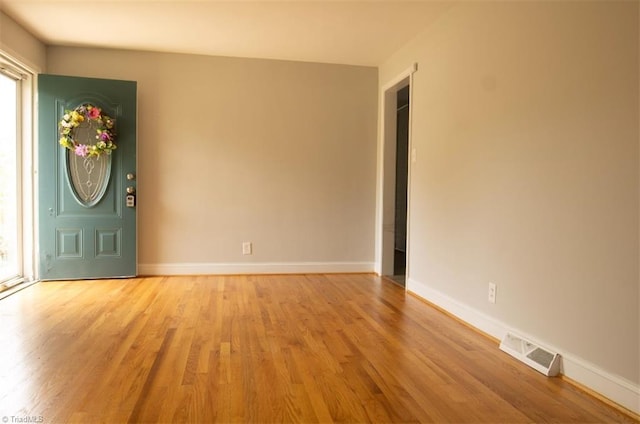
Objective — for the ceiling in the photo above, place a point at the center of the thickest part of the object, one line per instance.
(363, 32)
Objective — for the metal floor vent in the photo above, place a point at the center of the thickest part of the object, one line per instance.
(538, 358)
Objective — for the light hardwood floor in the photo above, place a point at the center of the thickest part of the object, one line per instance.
(261, 349)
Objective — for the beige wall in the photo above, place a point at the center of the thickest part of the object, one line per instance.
(525, 124)
(278, 153)
(21, 45)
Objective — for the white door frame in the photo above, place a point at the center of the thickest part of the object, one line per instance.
(385, 198)
(25, 75)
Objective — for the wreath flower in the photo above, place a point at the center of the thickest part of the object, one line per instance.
(104, 131)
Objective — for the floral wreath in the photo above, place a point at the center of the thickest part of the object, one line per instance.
(104, 131)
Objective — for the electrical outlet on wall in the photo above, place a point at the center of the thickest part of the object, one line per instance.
(247, 248)
(492, 292)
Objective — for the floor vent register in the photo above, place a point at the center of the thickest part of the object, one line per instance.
(538, 358)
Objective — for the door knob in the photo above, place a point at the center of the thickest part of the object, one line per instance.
(131, 176)
(131, 189)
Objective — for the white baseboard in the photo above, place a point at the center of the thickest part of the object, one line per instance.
(613, 387)
(254, 268)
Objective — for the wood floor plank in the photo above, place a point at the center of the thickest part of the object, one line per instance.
(264, 349)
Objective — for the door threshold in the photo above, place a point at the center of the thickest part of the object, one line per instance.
(400, 280)
(8, 290)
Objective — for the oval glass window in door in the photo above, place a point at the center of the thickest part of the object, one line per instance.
(88, 176)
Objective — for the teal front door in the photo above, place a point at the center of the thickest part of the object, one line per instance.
(86, 178)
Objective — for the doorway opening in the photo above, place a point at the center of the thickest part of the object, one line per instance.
(401, 185)
(16, 176)
(394, 246)
(16, 182)
(10, 211)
